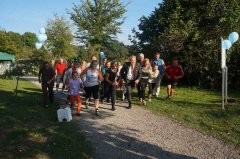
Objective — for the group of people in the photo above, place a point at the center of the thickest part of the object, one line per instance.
(109, 77)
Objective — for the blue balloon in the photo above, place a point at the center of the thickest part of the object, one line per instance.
(226, 44)
(42, 37)
(38, 45)
(42, 30)
(102, 55)
(233, 37)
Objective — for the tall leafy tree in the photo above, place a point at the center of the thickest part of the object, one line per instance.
(60, 37)
(97, 21)
(191, 31)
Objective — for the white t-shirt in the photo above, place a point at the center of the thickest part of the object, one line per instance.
(130, 74)
(92, 78)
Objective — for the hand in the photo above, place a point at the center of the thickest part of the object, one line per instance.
(168, 77)
(48, 82)
(123, 82)
(115, 83)
(136, 81)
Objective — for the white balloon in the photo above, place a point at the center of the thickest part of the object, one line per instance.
(38, 45)
(42, 37)
(42, 30)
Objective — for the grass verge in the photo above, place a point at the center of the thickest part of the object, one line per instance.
(201, 109)
(30, 131)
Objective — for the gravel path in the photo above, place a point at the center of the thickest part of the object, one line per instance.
(140, 134)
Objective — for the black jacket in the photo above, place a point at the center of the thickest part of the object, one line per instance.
(137, 72)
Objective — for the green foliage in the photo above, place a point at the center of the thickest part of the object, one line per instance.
(21, 46)
(97, 21)
(60, 37)
(115, 50)
(191, 31)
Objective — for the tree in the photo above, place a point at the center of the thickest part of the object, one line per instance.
(191, 31)
(97, 21)
(60, 37)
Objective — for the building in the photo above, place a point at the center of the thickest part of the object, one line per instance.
(6, 60)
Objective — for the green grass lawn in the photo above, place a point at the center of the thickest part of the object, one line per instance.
(27, 130)
(201, 109)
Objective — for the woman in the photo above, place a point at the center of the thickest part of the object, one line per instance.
(91, 83)
(146, 69)
(111, 83)
(104, 70)
(152, 81)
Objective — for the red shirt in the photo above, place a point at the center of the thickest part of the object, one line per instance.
(174, 71)
(60, 68)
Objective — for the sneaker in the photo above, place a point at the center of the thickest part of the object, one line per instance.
(168, 97)
(46, 106)
(149, 99)
(97, 112)
(87, 104)
(113, 108)
(144, 102)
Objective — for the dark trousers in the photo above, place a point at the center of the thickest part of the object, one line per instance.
(104, 92)
(110, 91)
(48, 94)
(142, 85)
(151, 87)
(58, 80)
(129, 86)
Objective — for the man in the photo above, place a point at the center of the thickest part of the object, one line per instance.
(46, 78)
(140, 58)
(173, 73)
(130, 73)
(60, 68)
(161, 67)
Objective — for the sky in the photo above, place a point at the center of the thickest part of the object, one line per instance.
(30, 15)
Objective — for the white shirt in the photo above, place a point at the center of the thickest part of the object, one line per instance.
(130, 74)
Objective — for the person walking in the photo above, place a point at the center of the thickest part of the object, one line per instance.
(130, 74)
(146, 70)
(46, 77)
(111, 83)
(152, 81)
(60, 68)
(104, 83)
(161, 67)
(91, 84)
(173, 73)
(74, 85)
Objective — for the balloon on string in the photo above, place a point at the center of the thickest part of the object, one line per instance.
(102, 56)
(38, 45)
(42, 37)
(42, 30)
(233, 37)
(226, 44)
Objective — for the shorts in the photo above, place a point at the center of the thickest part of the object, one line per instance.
(172, 83)
(92, 91)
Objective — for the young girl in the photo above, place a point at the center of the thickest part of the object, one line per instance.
(152, 80)
(73, 88)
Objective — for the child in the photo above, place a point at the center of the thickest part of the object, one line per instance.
(73, 87)
(153, 80)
